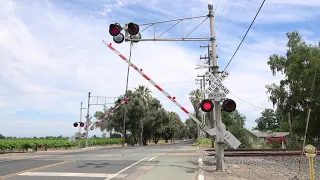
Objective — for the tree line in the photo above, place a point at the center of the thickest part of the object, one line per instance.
(296, 93)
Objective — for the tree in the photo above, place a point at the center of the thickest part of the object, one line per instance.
(104, 135)
(145, 117)
(191, 128)
(297, 91)
(234, 123)
(268, 121)
(2, 137)
(195, 99)
(143, 94)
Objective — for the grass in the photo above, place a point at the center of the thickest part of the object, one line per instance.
(203, 143)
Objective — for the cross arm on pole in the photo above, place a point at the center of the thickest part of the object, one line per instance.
(183, 37)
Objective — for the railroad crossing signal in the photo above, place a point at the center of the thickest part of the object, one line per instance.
(229, 105)
(76, 124)
(206, 105)
(126, 100)
(132, 29)
(115, 31)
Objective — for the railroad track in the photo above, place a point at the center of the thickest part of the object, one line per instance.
(258, 152)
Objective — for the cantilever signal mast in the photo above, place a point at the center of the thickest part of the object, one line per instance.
(133, 34)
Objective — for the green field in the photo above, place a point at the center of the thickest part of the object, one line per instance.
(7, 145)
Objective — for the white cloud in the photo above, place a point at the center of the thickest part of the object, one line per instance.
(51, 58)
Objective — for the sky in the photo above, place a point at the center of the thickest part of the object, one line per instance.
(52, 55)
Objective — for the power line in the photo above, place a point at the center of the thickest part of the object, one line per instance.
(245, 35)
(215, 10)
(225, 5)
(248, 102)
(235, 23)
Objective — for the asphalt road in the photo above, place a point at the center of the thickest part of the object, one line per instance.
(176, 161)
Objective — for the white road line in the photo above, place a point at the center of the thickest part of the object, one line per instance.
(126, 168)
(200, 176)
(152, 158)
(67, 174)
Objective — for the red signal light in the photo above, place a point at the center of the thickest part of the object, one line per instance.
(125, 100)
(229, 105)
(133, 28)
(115, 29)
(81, 124)
(206, 105)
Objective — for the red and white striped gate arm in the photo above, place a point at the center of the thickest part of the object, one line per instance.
(113, 109)
(202, 126)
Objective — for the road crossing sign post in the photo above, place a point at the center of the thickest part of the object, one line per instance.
(213, 93)
(216, 83)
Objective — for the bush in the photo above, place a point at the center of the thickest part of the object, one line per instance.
(275, 144)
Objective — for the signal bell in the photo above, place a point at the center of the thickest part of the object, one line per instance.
(229, 105)
(206, 105)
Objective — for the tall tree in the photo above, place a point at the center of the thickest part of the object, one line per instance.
(298, 90)
(195, 99)
(144, 95)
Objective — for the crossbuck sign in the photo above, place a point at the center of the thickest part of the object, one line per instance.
(216, 83)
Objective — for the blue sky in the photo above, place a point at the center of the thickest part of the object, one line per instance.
(51, 55)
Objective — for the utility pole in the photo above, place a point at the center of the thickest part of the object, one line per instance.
(201, 91)
(81, 108)
(220, 165)
(209, 63)
(87, 122)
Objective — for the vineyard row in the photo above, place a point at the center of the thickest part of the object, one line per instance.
(45, 144)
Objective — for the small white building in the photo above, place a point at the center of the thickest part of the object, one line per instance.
(261, 136)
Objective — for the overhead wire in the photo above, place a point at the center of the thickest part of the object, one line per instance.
(225, 5)
(245, 34)
(215, 10)
(235, 24)
(248, 102)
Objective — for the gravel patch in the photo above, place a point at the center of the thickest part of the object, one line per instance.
(273, 168)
